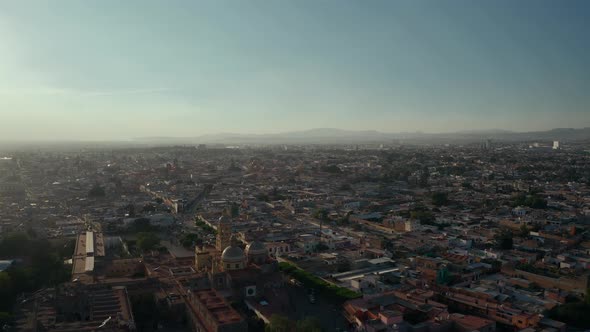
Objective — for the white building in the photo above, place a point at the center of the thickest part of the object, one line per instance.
(519, 211)
(278, 248)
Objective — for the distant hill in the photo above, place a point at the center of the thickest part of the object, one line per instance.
(341, 136)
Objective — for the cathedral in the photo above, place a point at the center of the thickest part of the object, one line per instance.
(246, 272)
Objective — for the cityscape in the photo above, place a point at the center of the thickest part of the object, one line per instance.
(484, 236)
(294, 166)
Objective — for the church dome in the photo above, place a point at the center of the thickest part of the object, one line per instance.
(232, 255)
(256, 248)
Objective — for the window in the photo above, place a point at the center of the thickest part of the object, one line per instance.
(227, 265)
(237, 266)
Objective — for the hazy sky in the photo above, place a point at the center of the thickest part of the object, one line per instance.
(116, 69)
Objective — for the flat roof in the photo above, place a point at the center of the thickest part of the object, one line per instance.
(381, 260)
(98, 245)
(80, 246)
(79, 265)
(89, 243)
(470, 322)
(89, 264)
(220, 310)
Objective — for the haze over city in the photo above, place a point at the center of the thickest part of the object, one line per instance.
(294, 166)
(111, 70)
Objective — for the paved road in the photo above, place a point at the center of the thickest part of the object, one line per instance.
(177, 251)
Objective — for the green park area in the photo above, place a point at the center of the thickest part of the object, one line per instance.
(309, 280)
(39, 263)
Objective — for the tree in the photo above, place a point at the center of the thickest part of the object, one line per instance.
(308, 324)
(47, 267)
(440, 199)
(97, 191)
(22, 278)
(189, 240)
(311, 281)
(141, 225)
(42, 267)
(149, 207)
(344, 220)
(204, 227)
(574, 313)
(145, 311)
(6, 291)
(504, 240)
(279, 323)
(532, 201)
(523, 231)
(423, 182)
(343, 266)
(5, 318)
(321, 247)
(331, 169)
(321, 214)
(536, 202)
(14, 245)
(147, 241)
(131, 210)
(235, 210)
(345, 187)
(31, 233)
(263, 197)
(426, 217)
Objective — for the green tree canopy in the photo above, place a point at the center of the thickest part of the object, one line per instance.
(331, 169)
(14, 245)
(321, 214)
(279, 323)
(42, 266)
(532, 201)
(97, 191)
(190, 239)
(235, 210)
(440, 199)
(574, 313)
(147, 241)
(309, 324)
(504, 240)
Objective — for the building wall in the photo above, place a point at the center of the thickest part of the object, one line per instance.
(128, 267)
(202, 260)
(223, 239)
(563, 283)
(279, 249)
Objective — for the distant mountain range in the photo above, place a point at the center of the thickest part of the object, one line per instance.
(340, 136)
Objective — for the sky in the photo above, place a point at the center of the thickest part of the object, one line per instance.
(111, 69)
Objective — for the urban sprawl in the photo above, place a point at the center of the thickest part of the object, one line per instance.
(485, 237)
